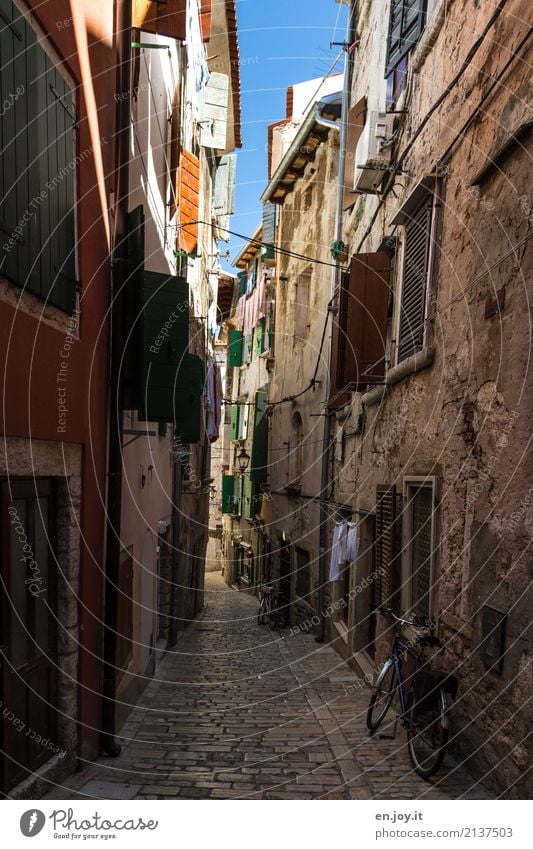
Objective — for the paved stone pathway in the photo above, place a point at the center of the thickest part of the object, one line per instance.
(238, 711)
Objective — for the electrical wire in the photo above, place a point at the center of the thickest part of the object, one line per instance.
(397, 166)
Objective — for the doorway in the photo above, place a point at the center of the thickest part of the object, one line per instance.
(28, 628)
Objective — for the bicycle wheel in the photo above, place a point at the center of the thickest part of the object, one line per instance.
(273, 615)
(383, 693)
(263, 614)
(282, 610)
(428, 730)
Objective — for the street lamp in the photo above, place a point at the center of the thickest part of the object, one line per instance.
(243, 460)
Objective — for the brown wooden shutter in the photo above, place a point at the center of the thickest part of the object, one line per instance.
(205, 19)
(355, 124)
(366, 320)
(161, 17)
(388, 547)
(385, 515)
(338, 397)
(414, 281)
(189, 201)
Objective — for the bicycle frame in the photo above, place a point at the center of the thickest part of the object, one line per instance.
(398, 647)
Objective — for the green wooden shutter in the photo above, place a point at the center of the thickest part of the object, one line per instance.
(36, 167)
(235, 348)
(248, 507)
(242, 277)
(240, 492)
(224, 192)
(270, 211)
(189, 387)
(260, 337)
(259, 464)
(249, 347)
(165, 337)
(228, 488)
(234, 422)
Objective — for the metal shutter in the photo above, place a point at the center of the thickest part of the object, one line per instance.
(407, 19)
(415, 267)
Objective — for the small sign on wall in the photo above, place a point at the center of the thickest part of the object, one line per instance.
(493, 628)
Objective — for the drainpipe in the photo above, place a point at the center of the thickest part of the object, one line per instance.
(122, 40)
(326, 437)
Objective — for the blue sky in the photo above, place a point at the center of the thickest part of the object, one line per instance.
(281, 42)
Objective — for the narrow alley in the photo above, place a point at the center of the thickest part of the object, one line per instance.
(239, 711)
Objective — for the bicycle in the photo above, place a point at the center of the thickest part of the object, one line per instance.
(424, 710)
(273, 608)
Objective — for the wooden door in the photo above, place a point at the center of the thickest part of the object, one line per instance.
(28, 630)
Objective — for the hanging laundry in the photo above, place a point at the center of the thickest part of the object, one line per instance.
(262, 298)
(338, 551)
(352, 542)
(241, 306)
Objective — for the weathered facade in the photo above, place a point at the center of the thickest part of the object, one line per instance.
(181, 193)
(303, 191)
(431, 396)
(250, 331)
(57, 171)
(117, 182)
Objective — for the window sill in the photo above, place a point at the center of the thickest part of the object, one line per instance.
(417, 362)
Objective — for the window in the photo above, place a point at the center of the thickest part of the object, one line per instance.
(244, 411)
(419, 545)
(407, 19)
(416, 252)
(37, 167)
(360, 331)
(396, 82)
(301, 307)
(303, 574)
(261, 337)
(259, 461)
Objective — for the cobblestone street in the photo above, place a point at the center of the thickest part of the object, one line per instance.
(238, 711)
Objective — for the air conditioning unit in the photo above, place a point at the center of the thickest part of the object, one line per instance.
(372, 154)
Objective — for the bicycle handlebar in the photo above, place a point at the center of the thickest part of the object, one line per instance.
(417, 622)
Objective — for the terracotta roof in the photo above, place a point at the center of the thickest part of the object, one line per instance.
(233, 39)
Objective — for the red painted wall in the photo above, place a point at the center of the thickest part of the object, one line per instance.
(31, 350)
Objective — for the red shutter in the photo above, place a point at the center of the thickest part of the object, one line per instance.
(189, 200)
(161, 17)
(366, 320)
(355, 124)
(205, 19)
